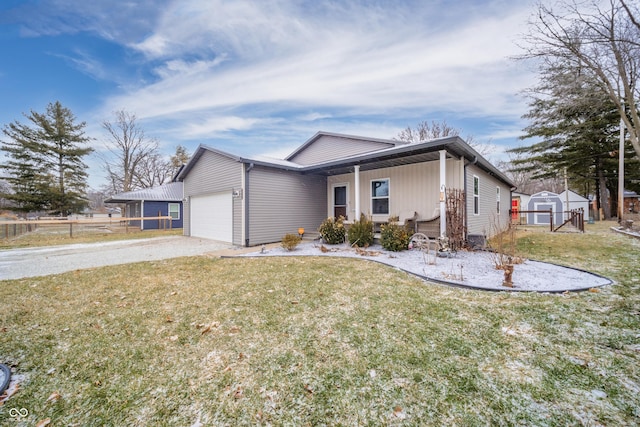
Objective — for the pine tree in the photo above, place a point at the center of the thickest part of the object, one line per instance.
(45, 162)
(578, 126)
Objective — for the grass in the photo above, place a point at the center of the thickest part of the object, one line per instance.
(319, 341)
(59, 235)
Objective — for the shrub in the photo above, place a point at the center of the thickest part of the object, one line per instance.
(332, 230)
(361, 232)
(394, 237)
(290, 241)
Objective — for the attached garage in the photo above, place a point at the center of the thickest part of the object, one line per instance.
(212, 216)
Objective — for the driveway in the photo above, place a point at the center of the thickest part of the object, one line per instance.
(31, 262)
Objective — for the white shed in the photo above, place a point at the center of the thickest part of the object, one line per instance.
(576, 201)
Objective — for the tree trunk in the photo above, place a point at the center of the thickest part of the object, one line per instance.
(603, 196)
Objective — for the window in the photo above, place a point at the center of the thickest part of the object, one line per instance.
(476, 195)
(497, 200)
(380, 196)
(174, 210)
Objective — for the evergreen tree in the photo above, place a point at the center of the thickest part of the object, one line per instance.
(45, 162)
(578, 126)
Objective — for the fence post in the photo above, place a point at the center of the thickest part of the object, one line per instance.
(551, 219)
(71, 230)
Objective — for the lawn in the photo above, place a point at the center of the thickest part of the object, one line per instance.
(59, 235)
(320, 341)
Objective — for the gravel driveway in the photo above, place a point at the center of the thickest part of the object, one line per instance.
(43, 261)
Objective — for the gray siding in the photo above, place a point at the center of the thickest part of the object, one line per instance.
(413, 188)
(328, 148)
(214, 173)
(488, 221)
(280, 202)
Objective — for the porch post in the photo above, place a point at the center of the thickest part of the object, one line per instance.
(443, 186)
(356, 171)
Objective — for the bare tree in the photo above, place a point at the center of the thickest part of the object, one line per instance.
(601, 38)
(425, 131)
(132, 154)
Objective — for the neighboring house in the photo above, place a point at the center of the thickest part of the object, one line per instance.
(251, 201)
(519, 202)
(165, 200)
(576, 201)
(543, 201)
(631, 202)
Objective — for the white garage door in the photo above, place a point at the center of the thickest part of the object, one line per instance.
(212, 217)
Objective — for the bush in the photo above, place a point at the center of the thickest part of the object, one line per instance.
(332, 230)
(290, 241)
(394, 237)
(361, 232)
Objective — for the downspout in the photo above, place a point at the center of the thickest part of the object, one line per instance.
(142, 215)
(246, 204)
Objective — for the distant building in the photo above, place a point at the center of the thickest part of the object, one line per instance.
(165, 200)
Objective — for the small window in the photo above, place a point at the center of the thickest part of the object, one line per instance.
(476, 195)
(174, 210)
(380, 196)
(497, 200)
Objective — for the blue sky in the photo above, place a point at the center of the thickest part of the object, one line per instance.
(263, 76)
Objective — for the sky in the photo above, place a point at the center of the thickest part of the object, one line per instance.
(261, 77)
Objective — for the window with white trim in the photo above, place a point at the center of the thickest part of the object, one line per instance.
(174, 210)
(476, 195)
(497, 200)
(380, 196)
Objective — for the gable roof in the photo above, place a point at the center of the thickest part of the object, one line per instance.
(394, 154)
(171, 192)
(325, 146)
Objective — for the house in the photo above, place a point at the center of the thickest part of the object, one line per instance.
(519, 202)
(631, 202)
(164, 200)
(575, 202)
(251, 201)
(544, 201)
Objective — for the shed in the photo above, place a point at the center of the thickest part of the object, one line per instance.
(576, 201)
(164, 200)
(543, 201)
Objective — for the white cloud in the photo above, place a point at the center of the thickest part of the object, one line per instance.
(320, 63)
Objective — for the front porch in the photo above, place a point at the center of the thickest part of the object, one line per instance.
(414, 191)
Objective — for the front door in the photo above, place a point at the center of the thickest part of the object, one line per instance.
(340, 200)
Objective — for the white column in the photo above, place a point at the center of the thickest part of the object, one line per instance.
(356, 171)
(443, 186)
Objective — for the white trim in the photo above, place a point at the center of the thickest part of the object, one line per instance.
(388, 197)
(169, 210)
(535, 215)
(473, 192)
(332, 198)
(356, 172)
(142, 215)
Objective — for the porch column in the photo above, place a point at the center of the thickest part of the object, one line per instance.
(356, 171)
(443, 186)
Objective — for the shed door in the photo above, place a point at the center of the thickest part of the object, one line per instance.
(212, 217)
(542, 218)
